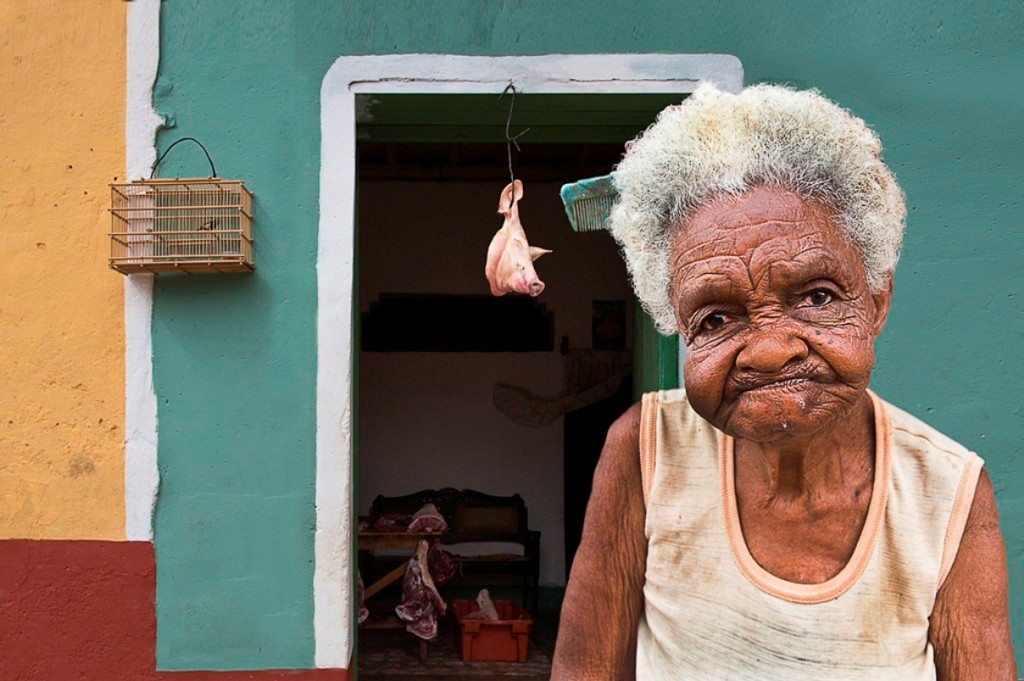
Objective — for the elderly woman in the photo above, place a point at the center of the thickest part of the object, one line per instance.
(777, 519)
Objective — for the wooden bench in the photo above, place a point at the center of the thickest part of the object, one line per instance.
(477, 517)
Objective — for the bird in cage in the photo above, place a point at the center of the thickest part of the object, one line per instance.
(209, 225)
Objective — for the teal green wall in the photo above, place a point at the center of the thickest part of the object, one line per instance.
(235, 356)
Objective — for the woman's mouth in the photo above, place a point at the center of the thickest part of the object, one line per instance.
(778, 385)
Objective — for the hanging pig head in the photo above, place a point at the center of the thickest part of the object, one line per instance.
(510, 258)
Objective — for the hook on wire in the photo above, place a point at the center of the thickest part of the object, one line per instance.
(511, 139)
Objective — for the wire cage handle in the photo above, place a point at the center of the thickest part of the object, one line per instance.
(213, 170)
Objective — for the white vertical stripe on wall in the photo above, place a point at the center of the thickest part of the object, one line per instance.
(141, 477)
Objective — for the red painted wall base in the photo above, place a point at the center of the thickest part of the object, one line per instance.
(84, 610)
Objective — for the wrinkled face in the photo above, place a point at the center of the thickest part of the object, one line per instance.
(777, 315)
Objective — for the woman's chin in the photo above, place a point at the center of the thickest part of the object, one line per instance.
(766, 433)
(777, 417)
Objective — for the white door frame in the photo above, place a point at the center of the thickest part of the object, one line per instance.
(333, 618)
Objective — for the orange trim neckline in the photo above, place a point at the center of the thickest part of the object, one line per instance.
(847, 577)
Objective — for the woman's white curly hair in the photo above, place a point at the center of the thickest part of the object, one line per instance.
(716, 144)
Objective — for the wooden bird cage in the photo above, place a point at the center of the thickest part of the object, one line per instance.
(181, 225)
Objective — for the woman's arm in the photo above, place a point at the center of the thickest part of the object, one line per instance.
(970, 625)
(604, 598)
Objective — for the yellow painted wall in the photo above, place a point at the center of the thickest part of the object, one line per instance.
(62, 100)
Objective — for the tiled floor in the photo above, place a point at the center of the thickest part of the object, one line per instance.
(386, 655)
(395, 655)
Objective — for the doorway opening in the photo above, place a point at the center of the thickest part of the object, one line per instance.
(492, 409)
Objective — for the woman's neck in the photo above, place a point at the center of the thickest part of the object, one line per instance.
(809, 472)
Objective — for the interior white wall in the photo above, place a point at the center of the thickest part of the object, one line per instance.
(427, 420)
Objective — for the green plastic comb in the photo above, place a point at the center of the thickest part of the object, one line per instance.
(588, 203)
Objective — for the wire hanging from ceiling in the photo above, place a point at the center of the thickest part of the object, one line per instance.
(511, 139)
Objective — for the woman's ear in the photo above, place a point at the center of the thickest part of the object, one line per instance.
(883, 300)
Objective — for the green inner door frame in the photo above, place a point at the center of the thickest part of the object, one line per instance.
(655, 357)
(551, 119)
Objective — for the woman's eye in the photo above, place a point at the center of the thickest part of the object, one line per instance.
(819, 298)
(713, 321)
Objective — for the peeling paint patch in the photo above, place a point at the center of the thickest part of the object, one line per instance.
(80, 466)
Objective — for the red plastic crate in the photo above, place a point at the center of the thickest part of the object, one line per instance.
(503, 640)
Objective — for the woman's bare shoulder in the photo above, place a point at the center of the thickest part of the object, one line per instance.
(970, 626)
(625, 431)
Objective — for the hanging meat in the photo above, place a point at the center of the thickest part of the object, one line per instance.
(421, 602)
(443, 566)
(363, 613)
(510, 257)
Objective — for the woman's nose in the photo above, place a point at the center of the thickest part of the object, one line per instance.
(769, 350)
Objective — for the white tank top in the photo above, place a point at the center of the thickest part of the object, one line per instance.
(711, 612)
